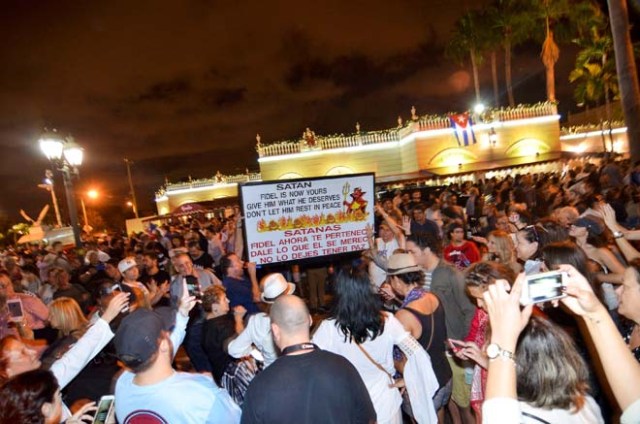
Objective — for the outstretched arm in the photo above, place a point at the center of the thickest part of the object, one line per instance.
(617, 361)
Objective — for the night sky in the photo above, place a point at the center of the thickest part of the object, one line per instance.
(182, 87)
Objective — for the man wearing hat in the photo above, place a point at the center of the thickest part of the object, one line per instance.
(128, 267)
(258, 329)
(306, 384)
(150, 390)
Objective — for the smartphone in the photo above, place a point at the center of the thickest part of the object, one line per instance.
(16, 312)
(543, 287)
(117, 287)
(455, 345)
(193, 286)
(105, 412)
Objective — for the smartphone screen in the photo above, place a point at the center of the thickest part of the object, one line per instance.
(104, 408)
(193, 286)
(544, 287)
(15, 309)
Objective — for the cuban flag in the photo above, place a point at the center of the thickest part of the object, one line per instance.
(463, 127)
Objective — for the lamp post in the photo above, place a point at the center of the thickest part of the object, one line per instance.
(66, 155)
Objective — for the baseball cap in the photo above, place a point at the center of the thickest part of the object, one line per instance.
(592, 224)
(273, 285)
(127, 263)
(137, 337)
(401, 263)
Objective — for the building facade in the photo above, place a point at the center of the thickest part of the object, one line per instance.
(428, 149)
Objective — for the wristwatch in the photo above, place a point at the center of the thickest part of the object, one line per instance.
(618, 234)
(494, 351)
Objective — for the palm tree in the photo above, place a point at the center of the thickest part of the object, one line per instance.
(515, 20)
(550, 13)
(627, 73)
(491, 41)
(595, 74)
(466, 41)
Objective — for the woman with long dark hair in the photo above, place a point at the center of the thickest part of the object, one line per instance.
(361, 332)
(34, 397)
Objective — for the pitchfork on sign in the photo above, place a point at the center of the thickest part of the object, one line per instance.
(346, 188)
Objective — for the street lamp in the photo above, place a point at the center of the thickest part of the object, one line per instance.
(66, 155)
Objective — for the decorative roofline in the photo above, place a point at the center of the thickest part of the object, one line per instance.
(217, 180)
(311, 141)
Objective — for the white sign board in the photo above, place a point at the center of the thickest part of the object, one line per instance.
(289, 220)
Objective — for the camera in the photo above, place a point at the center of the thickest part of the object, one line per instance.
(193, 286)
(543, 287)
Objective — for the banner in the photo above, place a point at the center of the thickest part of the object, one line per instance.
(289, 220)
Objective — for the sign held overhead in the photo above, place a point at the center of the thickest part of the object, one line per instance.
(288, 220)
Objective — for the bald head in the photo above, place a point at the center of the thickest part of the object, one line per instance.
(291, 315)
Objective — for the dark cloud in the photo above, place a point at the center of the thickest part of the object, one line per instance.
(182, 88)
(166, 91)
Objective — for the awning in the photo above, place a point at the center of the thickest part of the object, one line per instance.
(194, 208)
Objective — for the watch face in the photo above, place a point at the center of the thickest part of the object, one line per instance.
(493, 350)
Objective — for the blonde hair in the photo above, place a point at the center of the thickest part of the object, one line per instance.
(66, 316)
(505, 248)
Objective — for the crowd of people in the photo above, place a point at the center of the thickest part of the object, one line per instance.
(436, 322)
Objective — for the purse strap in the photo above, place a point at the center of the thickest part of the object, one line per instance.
(533, 417)
(374, 362)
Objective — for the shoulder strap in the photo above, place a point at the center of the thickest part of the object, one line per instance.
(431, 317)
(374, 362)
(533, 417)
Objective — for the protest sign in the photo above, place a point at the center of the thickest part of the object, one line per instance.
(288, 220)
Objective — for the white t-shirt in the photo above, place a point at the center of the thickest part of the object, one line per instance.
(508, 410)
(386, 400)
(258, 333)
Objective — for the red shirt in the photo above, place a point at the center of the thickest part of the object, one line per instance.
(461, 256)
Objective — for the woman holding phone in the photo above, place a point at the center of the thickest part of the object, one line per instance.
(34, 397)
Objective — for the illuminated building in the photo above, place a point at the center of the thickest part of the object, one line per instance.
(427, 148)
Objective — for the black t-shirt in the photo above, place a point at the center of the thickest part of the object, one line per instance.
(214, 333)
(316, 387)
(204, 261)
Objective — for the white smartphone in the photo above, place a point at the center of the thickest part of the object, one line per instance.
(543, 287)
(106, 410)
(16, 311)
